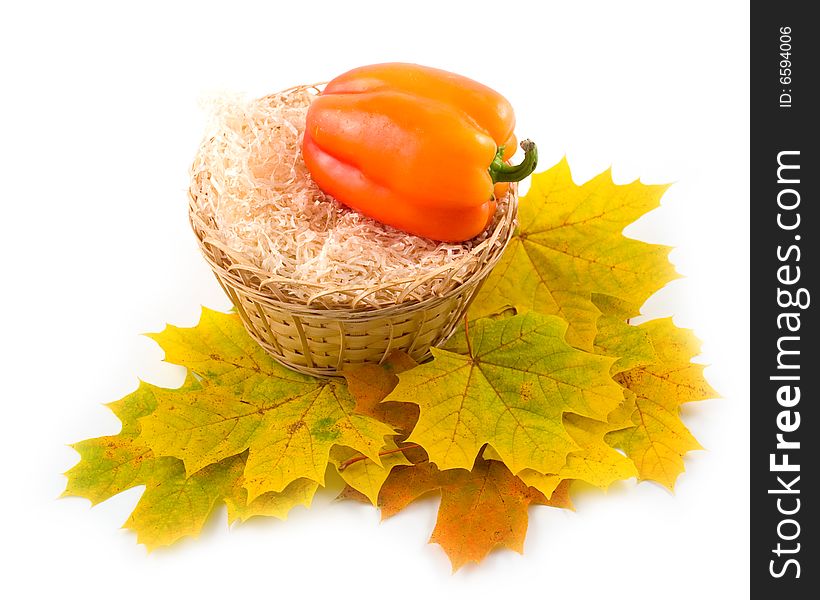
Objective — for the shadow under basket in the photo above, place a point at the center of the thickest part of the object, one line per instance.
(322, 336)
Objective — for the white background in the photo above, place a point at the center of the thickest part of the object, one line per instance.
(99, 120)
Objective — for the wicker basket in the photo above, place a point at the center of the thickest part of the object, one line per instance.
(322, 335)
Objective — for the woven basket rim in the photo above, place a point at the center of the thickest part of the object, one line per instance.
(297, 306)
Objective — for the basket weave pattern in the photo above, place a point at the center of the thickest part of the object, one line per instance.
(321, 336)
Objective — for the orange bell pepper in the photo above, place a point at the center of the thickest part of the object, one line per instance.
(416, 148)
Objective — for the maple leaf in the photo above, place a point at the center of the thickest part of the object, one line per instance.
(287, 421)
(364, 475)
(114, 463)
(569, 245)
(596, 462)
(480, 509)
(631, 345)
(509, 389)
(370, 384)
(174, 505)
(657, 439)
(621, 417)
(616, 307)
(269, 504)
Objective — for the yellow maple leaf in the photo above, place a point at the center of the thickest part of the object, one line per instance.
(616, 307)
(657, 439)
(621, 417)
(508, 387)
(269, 504)
(175, 505)
(364, 475)
(569, 245)
(248, 401)
(631, 345)
(595, 462)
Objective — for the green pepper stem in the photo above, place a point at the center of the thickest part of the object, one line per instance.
(501, 171)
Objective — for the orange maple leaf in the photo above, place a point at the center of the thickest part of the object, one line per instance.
(480, 509)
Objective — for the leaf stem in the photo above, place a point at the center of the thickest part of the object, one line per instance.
(355, 459)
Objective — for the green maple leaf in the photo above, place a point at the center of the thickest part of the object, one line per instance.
(114, 463)
(569, 245)
(287, 421)
(510, 389)
(174, 504)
